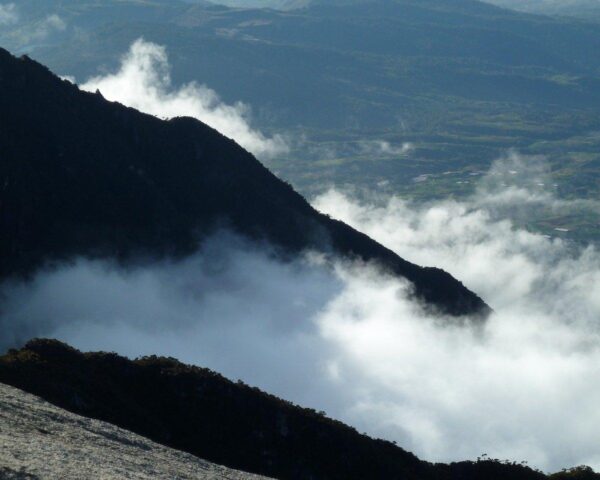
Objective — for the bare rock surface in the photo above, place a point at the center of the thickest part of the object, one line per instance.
(41, 441)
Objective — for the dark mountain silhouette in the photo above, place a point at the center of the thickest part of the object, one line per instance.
(83, 176)
(199, 411)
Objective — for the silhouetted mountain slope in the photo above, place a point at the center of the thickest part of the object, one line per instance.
(198, 411)
(82, 176)
(463, 81)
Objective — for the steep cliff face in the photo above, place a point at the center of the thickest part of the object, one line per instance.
(83, 176)
(40, 441)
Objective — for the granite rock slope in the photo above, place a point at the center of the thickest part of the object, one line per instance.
(41, 441)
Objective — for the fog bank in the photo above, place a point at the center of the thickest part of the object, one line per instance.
(350, 341)
(143, 82)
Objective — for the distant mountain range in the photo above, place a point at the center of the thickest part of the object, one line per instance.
(84, 176)
(200, 412)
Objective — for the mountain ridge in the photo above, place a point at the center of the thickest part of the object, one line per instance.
(199, 411)
(83, 176)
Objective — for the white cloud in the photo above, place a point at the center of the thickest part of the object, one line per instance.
(232, 307)
(55, 22)
(276, 4)
(144, 82)
(42, 29)
(350, 342)
(69, 79)
(8, 14)
(521, 187)
(382, 147)
(29, 32)
(518, 388)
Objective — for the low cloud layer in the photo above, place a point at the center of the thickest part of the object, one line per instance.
(143, 81)
(232, 307)
(46, 27)
(382, 147)
(275, 4)
(523, 386)
(8, 14)
(349, 341)
(30, 32)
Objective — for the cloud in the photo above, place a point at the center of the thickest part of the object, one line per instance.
(382, 147)
(68, 78)
(144, 82)
(42, 29)
(349, 340)
(8, 14)
(522, 187)
(230, 305)
(275, 4)
(517, 388)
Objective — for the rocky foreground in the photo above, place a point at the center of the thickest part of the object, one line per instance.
(41, 441)
(195, 410)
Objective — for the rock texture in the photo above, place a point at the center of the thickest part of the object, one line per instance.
(200, 412)
(41, 441)
(191, 409)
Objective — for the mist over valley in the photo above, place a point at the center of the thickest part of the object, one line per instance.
(384, 213)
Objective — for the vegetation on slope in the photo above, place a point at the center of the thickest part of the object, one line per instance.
(200, 412)
(83, 176)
